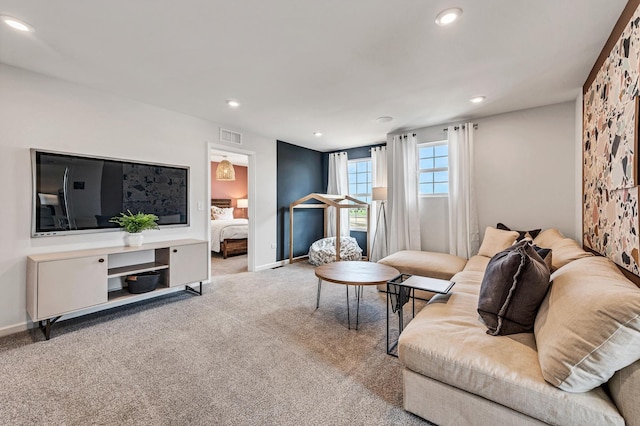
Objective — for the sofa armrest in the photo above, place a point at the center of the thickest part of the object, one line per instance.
(624, 387)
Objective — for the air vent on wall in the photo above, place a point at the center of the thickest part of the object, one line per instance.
(230, 136)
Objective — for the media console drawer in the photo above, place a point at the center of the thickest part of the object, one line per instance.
(68, 282)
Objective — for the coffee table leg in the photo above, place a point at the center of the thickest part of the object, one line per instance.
(319, 287)
(358, 293)
(348, 314)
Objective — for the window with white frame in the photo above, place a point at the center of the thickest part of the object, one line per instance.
(433, 173)
(360, 188)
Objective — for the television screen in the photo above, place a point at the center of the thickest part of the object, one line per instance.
(74, 193)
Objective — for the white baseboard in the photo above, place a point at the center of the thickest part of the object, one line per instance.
(12, 329)
(272, 265)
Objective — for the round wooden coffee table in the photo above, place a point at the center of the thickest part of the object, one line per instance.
(356, 273)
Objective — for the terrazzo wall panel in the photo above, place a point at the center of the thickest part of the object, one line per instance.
(610, 175)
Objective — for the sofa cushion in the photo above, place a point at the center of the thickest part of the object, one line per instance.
(425, 263)
(514, 284)
(496, 240)
(467, 282)
(477, 263)
(446, 342)
(624, 387)
(588, 326)
(522, 234)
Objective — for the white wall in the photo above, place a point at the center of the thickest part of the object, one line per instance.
(578, 169)
(525, 173)
(41, 112)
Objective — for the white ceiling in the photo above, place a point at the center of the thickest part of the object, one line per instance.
(300, 66)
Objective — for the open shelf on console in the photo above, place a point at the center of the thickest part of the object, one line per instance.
(119, 295)
(136, 269)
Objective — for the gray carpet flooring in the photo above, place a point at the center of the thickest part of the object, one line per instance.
(251, 350)
(230, 265)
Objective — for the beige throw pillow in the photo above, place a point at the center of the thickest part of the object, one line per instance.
(547, 237)
(565, 250)
(496, 240)
(588, 326)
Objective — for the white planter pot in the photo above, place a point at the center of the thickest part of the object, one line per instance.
(134, 240)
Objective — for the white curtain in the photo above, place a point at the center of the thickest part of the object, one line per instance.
(464, 235)
(402, 179)
(338, 185)
(380, 242)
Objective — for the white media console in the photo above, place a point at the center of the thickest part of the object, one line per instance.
(67, 282)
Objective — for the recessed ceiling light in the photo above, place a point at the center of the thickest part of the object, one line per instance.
(384, 119)
(17, 24)
(477, 99)
(233, 103)
(317, 134)
(447, 16)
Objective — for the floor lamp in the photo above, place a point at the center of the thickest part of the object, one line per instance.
(379, 193)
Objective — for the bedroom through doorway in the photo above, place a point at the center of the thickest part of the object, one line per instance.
(229, 230)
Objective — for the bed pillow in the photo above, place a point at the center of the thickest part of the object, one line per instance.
(588, 326)
(496, 240)
(522, 234)
(513, 287)
(223, 213)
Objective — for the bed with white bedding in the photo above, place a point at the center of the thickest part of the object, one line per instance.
(228, 235)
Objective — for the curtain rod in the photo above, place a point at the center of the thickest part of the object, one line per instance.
(475, 126)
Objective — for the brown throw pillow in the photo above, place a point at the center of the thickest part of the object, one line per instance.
(521, 234)
(513, 287)
(546, 255)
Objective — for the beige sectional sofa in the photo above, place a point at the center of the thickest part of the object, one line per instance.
(587, 332)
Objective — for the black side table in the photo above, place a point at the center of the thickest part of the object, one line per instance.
(401, 289)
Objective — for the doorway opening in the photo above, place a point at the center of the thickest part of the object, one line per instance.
(229, 208)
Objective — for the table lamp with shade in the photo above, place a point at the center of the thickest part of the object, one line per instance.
(243, 203)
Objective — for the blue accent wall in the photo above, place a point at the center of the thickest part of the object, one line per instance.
(300, 171)
(353, 154)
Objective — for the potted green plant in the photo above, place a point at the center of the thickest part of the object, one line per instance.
(134, 224)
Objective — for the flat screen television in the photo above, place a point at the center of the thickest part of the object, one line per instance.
(79, 194)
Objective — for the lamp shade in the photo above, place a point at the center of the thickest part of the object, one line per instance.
(379, 193)
(243, 203)
(225, 171)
